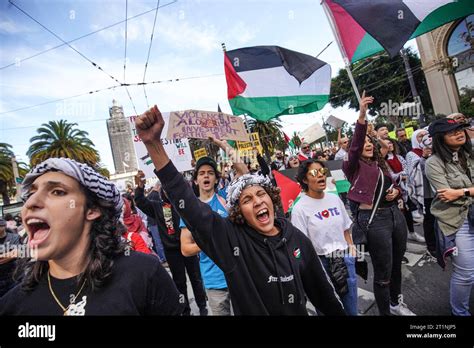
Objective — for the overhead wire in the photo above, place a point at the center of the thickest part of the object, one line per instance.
(19, 61)
(149, 50)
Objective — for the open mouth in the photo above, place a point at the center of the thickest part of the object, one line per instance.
(321, 181)
(38, 230)
(206, 182)
(263, 215)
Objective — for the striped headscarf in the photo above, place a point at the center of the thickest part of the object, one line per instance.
(88, 177)
(237, 186)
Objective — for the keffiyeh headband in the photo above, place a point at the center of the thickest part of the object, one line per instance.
(237, 186)
(88, 177)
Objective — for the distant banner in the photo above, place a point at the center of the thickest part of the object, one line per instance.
(200, 153)
(408, 130)
(178, 150)
(204, 124)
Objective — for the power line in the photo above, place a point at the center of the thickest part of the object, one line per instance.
(57, 100)
(70, 46)
(125, 59)
(126, 32)
(82, 37)
(149, 50)
(112, 87)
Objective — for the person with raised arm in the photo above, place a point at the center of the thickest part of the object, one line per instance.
(270, 266)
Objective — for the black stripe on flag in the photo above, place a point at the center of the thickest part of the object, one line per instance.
(297, 64)
(390, 22)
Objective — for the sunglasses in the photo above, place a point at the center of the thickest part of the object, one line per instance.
(306, 147)
(322, 171)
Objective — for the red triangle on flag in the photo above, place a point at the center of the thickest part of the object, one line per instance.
(289, 189)
(235, 84)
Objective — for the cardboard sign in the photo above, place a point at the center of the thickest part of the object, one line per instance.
(248, 145)
(200, 153)
(335, 122)
(204, 124)
(178, 150)
(313, 133)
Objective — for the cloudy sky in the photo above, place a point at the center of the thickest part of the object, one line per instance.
(187, 45)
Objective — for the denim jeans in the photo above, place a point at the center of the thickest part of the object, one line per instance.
(219, 301)
(462, 277)
(387, 242)
(158, 245)
(349, 300)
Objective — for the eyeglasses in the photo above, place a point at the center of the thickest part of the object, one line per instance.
(322, 171)
(455, 132)
(306, 147)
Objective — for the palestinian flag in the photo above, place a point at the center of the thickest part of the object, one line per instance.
(269, 81)
(366, 27)
(289, 188)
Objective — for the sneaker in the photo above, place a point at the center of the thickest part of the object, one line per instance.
(405, 260)
(415, 237)
(401, 309)
(417, 217)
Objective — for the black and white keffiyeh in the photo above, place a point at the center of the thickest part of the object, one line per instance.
(237, 186)
(88, 177)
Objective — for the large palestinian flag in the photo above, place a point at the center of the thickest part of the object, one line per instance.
(269, 81)
(366, 27)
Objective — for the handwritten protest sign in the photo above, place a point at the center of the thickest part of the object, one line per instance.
(178, 150)
(248, 145)
(408, 130)
(200, 153)
(204, 124)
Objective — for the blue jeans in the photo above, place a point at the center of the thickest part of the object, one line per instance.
(157, 242)
(462, 277)
(349, 300)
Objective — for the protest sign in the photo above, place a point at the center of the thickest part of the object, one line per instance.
(204, 124)
(313, 133)
(178, 150)
(200, 153)
(335, 122)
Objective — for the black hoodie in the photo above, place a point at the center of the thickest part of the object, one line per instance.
(265, 275)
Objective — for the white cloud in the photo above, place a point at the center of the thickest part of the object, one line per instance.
(8, 26)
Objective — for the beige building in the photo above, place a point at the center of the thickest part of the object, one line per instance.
(447, 56)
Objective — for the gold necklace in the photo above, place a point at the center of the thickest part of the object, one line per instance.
(65, 309)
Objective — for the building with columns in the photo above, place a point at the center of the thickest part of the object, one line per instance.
(447, 56)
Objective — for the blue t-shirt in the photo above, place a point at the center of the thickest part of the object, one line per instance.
(212, 275)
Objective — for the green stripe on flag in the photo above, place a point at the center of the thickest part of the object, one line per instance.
(443, 15)
(366, 48)
(266, 108)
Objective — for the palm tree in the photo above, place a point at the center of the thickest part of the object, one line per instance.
(269, 133)
(7, 177)
(61, 139)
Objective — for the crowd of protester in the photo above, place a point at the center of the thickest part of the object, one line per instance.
(223, 228)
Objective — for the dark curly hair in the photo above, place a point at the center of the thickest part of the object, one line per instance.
(235, 214)
(105, 245)
(377, 156)
(303, 170)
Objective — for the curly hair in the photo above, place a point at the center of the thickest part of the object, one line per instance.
(105, 245)
(377, 156)
(235, 214)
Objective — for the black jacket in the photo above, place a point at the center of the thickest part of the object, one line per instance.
(154, 210)
(265, 275)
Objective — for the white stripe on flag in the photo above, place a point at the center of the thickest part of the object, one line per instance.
(422, 8)
(276, 82)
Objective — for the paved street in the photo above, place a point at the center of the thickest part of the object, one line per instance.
(425, 285)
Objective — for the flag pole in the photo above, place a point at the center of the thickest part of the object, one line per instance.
(339, 43)
(247, 127)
